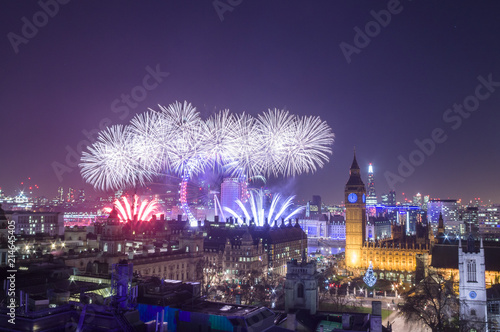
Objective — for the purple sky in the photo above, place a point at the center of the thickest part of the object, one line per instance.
(65, 78)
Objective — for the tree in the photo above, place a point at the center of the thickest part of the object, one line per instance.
(432, 302)
(208, 273)
(252, 286)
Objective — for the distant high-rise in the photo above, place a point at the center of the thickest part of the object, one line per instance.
(71, 195)
(471, 219)
(417, 200)
(489, 221)
(449, 209)
(389, 199)
(233, 189)
(426, 201)
(60, 194)
(315, 204)
(371, 199)
(81, 195)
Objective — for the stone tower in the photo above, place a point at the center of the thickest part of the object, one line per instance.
(472, 284)
(355, 216)
(301, 287)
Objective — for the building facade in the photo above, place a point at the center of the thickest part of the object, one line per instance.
(472, 285)
(31, 223)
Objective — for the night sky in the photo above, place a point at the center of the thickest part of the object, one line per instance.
(69, 77)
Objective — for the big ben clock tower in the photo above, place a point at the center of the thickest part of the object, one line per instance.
(355, 216)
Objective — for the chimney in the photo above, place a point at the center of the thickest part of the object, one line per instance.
(346, 321)
(376, 317)
(179, 218)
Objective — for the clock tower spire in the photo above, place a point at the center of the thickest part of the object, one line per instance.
(355, 216)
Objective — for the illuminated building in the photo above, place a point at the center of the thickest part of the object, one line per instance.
(233, 189)
(417, 200)
(426, 201)
(393, 259)
(371, 198)
(389, 199)
(60, 194)
(471, 219)
(31, 223)
(81, 195)
(448, 208)
(355, 216)
(472, 284)
(71, 195)
(314, 207)
(280, 243)
(489, 222)
(378, 228)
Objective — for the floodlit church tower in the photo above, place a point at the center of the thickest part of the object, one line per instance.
(355, 216)
(472, 285)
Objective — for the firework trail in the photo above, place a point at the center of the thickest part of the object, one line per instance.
(258, 214)
(139, 211)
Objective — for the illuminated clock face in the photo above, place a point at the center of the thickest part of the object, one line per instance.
(472, 295)
(364, 198)
(352, 197)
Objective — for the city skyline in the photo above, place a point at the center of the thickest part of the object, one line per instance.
(389, 98)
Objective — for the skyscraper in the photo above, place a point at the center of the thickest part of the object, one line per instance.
(315, 205)
(448, 208)
(389, 199)
(392, 198)
(81, 195)
(371, 199)
(233, 189)
(60, 194)
(471, 219)
(71, 195)
(489, 221)
(417, 200)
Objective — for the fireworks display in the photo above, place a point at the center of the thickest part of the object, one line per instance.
(258, 214)
(175, 140)
(137, 211)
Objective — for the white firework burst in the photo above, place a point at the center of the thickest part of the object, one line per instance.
(150, 139)
(275, 131)
(308, 146)
(186, 144)
(246, 147)
(176, 140)
(110, 163)
(220, 140)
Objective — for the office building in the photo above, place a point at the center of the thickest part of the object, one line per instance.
(489, 222)
(233, 189)
(449, 208)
